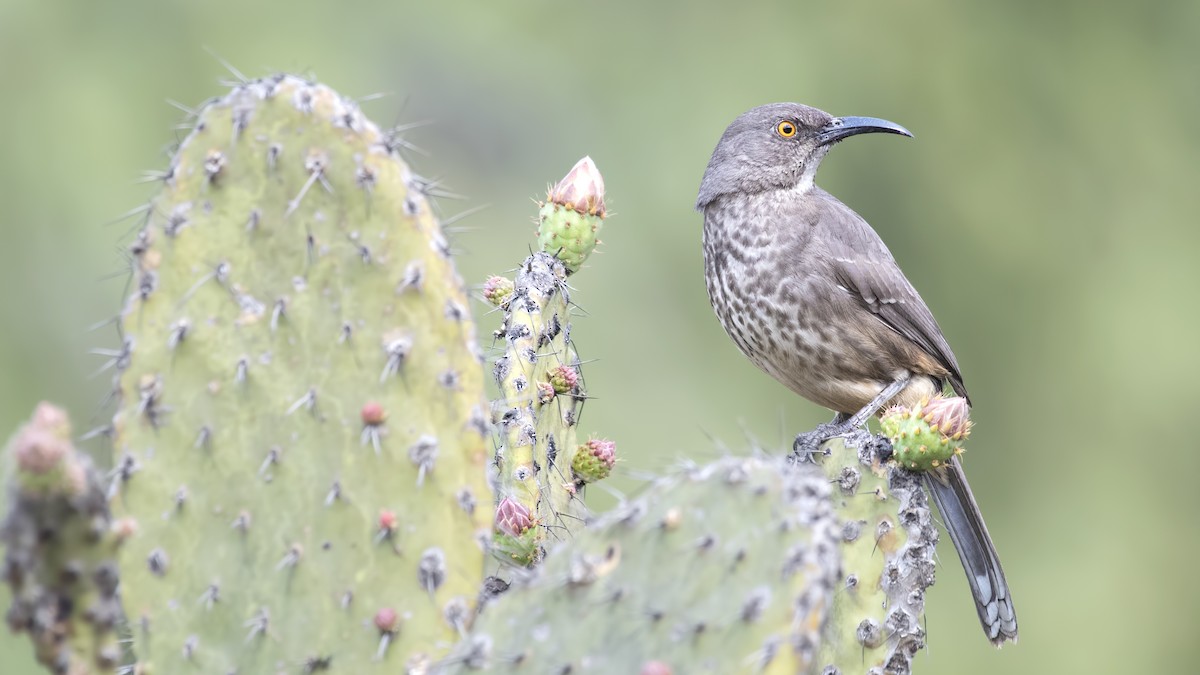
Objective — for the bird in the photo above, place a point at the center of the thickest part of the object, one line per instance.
(810, 293)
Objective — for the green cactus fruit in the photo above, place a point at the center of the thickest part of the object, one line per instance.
(572, 215)
(59, 550)
(302, 437)
(887, 540)
(727, 568)
(927, 435)
(594, 460)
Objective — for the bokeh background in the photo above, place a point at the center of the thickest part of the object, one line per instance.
(1047, 211)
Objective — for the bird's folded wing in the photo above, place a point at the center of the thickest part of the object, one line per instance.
(864, 266)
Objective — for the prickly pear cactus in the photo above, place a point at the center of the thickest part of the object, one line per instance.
(723, 569)
(301, 438)
(59, 550)
(540, 466)
(887, 540)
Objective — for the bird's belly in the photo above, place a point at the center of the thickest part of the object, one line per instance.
(790, 330)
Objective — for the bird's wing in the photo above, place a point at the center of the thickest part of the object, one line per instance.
(864, 266)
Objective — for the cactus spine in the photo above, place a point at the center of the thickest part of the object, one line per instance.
(539, 376)
(726, 568)
(301, 438)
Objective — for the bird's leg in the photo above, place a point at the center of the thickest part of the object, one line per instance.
(810, 442)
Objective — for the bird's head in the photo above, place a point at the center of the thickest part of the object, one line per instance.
(779, 146)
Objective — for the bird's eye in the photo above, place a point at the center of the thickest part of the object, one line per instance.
(786, 129)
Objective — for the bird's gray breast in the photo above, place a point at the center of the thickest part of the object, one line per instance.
(760, 276)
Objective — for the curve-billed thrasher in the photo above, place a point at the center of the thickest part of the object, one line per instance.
(810, 293)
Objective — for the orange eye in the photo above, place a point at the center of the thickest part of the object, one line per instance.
(786, 129)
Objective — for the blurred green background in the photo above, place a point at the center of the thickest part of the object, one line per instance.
(1047, 211)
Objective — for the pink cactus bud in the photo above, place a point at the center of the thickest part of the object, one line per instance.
(373, 414)
(655, 668)
(497, 290)
(564, 379)
(52, 418)
(581, 189)
(950, 416)
(545, 392)
(387, 521)
(603, 450)
(513, 518)
(387, 621)
(39, 450)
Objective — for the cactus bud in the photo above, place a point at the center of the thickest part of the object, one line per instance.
(387, 621)
(950, 416)
(655, 668)
(581, 189)
(594, 460)
(373, 414)
(920, 441)
(564, 379)
(571, 217)
(497, 290)
(545, 392)
(513, 518)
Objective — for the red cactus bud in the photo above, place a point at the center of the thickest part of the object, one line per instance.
(387, 521)
(513, 518)
(387, 621)
(603, 450)
(655, 668)
(950, 416)
(373, 414)
(497, 290)
(564, 379)
(581, 189)
(39, 450)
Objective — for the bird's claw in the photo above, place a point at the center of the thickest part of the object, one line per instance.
(808, 444)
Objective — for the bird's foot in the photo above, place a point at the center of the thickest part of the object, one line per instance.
(808, 444)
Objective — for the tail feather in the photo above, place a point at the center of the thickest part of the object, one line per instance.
(964, 522)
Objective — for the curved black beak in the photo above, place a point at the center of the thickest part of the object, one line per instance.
(845, 127)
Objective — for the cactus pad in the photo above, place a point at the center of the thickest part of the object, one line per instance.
(302, 434)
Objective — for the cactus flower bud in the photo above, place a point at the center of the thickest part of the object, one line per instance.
(594, 460)
(581, 189)
(387, 620)
(545, 392)
(373, 414)
(513, 518)
(927, 435)
(570, 220)
(564, 379)
(950, 416)
(497, 290)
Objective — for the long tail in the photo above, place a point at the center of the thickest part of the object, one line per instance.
(964, 522)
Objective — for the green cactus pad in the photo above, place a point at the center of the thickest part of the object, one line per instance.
(887, 540)
(300, 361)
(683, 576)
(916, 445)
(567, 234)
